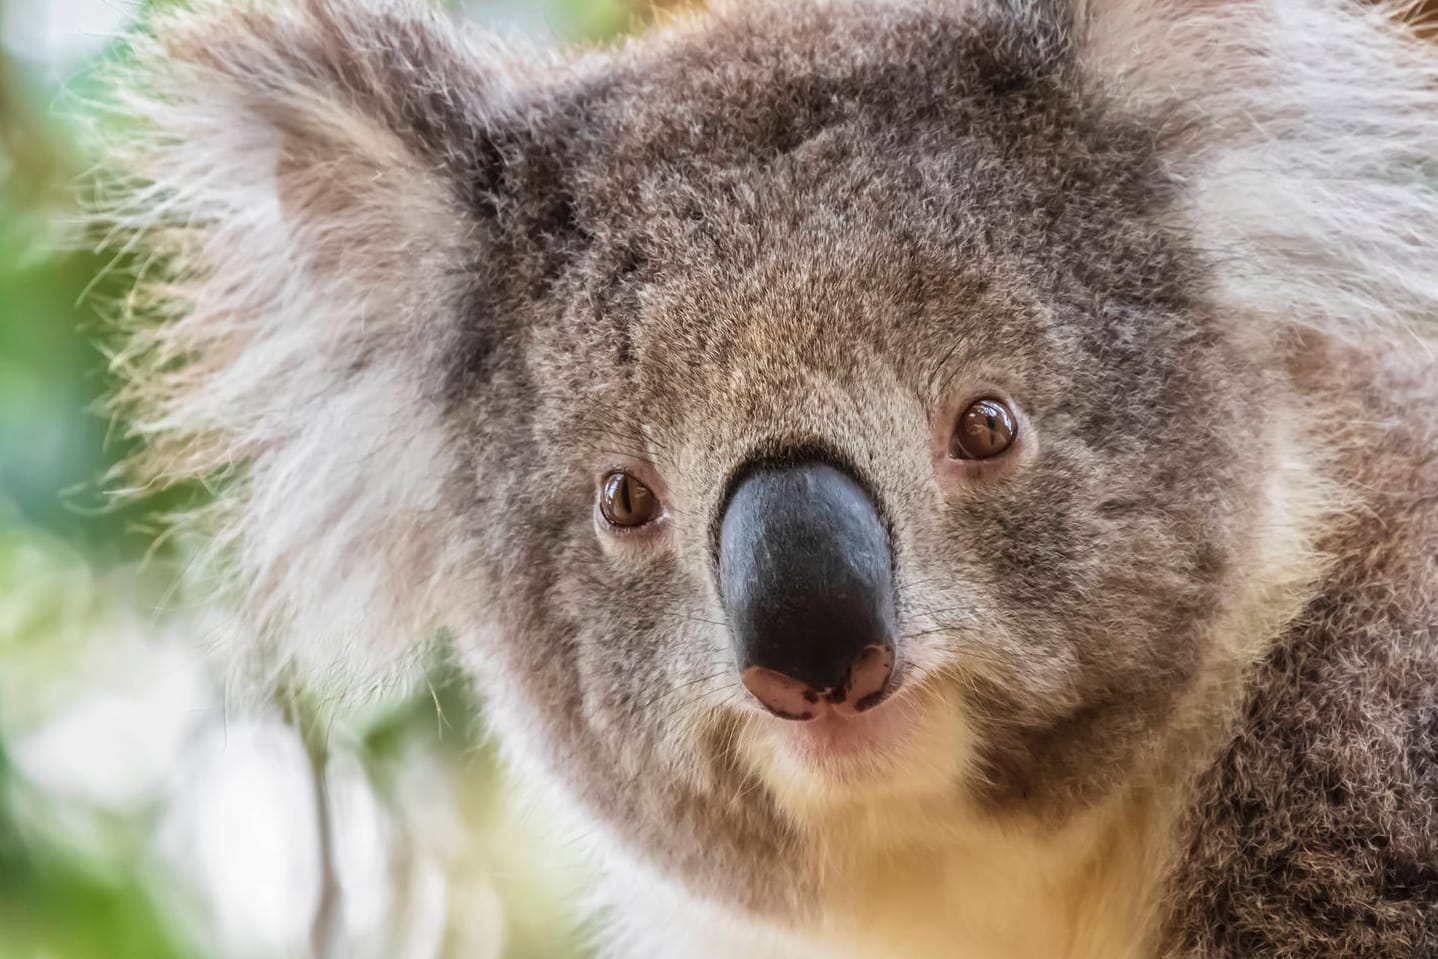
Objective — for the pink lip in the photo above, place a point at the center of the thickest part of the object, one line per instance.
(846, 736)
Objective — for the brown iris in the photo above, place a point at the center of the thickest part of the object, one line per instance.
(626, 502)
(984, 430)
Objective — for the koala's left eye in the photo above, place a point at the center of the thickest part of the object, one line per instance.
(984, 430)
(627, 503)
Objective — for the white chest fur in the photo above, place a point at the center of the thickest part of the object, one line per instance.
(1089, 892)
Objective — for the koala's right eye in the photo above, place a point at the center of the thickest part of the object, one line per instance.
(986, 429)
(627, 503)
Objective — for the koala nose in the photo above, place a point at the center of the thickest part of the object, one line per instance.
(806, 574)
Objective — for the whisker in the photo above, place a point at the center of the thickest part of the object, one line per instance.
(681, 688)
(702, 620)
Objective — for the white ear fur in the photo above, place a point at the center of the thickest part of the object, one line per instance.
(1305, 132)
(285, 340)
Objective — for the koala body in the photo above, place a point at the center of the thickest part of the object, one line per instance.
(926, 478)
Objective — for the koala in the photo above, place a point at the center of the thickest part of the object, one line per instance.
(920, 478)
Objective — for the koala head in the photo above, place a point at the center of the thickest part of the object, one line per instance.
(805, 411)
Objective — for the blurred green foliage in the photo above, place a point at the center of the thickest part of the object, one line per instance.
(62, 533)
(53, 444)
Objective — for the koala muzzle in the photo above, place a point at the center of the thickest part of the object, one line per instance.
(806, 573)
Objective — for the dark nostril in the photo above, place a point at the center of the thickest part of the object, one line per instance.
(864, 686)
(869, 677)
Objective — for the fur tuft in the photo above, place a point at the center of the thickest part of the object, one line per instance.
(1305, 133)
(308, 252)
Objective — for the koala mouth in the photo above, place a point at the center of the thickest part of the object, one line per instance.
(837, 736)
(910, 745)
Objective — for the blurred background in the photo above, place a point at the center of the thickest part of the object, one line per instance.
(141, 817)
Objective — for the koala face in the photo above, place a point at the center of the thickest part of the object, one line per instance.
(806, 414)
(870, 446)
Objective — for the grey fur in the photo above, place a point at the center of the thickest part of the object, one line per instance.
(491, 276)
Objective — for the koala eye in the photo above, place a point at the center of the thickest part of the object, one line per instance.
(985, 429)
(626, 502)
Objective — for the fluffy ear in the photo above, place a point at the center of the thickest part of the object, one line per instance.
(1304, 133)
(317, 185)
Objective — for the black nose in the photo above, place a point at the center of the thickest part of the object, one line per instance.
(806, 574)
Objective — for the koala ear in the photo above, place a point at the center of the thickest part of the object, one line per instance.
(1303, 132)
(367, 125)
(314, 186)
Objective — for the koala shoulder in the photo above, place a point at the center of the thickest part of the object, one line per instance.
(1316, 833)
